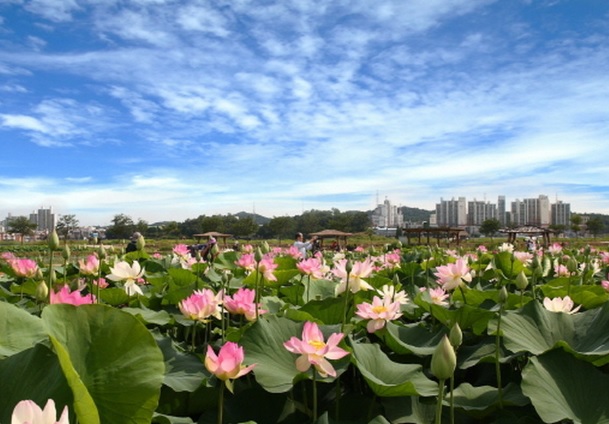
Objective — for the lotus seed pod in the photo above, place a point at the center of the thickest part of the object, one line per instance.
(53, 240)
(455, 336)
(522, 281)
(443, 360)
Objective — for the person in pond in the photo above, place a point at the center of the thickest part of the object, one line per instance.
(132, 246)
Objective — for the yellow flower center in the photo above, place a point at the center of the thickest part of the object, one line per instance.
(317, 344)
(379, 309)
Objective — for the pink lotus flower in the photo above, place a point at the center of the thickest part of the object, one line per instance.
(64, 295)
(561, 271)
(247, 262)
(555, 249)
(202, 304)
(524, 258)
(389, 292)
(482, 249)
(181, 250)
(243, 303)
(294, 252)
(228, 364)
(315, 351)
(604, 257)
(379, 312)
(558, 304)
(28, 412)
(453, 275)
(605, 285)
(356, 277)
(89, 265)
(266, 267)
(437, 296)
(101, 282)
(24, 267)
(312, 267)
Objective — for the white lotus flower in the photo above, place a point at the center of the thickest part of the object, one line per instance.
(560, 304)
(131, 274)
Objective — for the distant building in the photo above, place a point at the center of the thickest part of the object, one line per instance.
(535, 211)
(480, 211)
(561, 213)
(387, 215)
(451, 213)
(501, 212)
(44, 219)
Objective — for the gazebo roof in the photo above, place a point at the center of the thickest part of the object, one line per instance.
(331, 233)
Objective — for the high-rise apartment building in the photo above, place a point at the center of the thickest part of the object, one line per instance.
(387, 215)
(480, 211)
(561, 213)
(44, 218)
(451, 213)
(534, 211)
(501, 212)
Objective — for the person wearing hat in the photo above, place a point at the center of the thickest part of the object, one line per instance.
(132, 246)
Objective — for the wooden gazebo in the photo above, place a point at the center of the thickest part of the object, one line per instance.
(213, 234)
(529, 231)
(339, 236)
(451, 233)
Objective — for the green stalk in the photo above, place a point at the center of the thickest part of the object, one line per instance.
(221, 403)
(346, 306)
(50, 276)
(439, 403)
(314, 395)
(452, 399)
(497, 364)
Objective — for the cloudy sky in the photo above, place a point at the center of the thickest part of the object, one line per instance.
(171, 109)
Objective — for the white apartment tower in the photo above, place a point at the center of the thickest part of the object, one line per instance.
(531, 211)
(387, 215)
(451, 213)
(44, 218)
(561, 213)
(480, 211)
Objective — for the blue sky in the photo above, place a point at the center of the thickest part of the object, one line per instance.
(167, 110)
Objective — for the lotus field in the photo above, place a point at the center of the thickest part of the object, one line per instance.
(393, 335)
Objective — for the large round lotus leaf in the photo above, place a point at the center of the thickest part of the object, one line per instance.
(537, 330)
(563, 387)
(113, 355)
(19, 330)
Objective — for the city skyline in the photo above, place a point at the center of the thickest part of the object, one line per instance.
(167, 110)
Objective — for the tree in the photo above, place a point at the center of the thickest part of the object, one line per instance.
(489, 227)
(66, 224)
(21, 225)
(595, 226)
(122, 227)
(282, 227)
(576, 222)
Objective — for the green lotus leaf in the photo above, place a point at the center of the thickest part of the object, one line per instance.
(114, 296)
(563, 387)
(275, 367)
(387, 378)
(412, 338)
(112, 354)
(483, 399)
(537, 330)
(411, 409)
(33, 374)
(19, 330)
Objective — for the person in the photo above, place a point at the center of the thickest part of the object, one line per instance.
(203, 249)
(302, 245)
(132, 246)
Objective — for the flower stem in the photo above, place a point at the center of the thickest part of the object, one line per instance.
(452, 399)
(221, 403)
(314, 395)
(497, 364)
(439, 403)
(346, 307)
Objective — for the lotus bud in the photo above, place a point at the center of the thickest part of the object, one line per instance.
(65, 253)
(443, 360)
(42, 291)
(396, 281)
(53, 240)
(455, 336)
(503, 295)
(198, 256)
(215, 250)
(398, 244)
(349, 266)
(101, 253)
(258, 255)
(140, 243)
(265, 247)
(522, 281)
(587, 250)
(226, 277)
(39, 275)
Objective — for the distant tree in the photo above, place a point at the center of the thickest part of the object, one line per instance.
(172, 229)
(489, 227)
(141, 226)
(558, 228)
(576, 222)
(122, 227)
(66, 224)
(595, 226)
(21, 225)
(283, 227)
(242, 227)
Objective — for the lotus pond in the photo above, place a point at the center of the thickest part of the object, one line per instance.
(394, 335)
